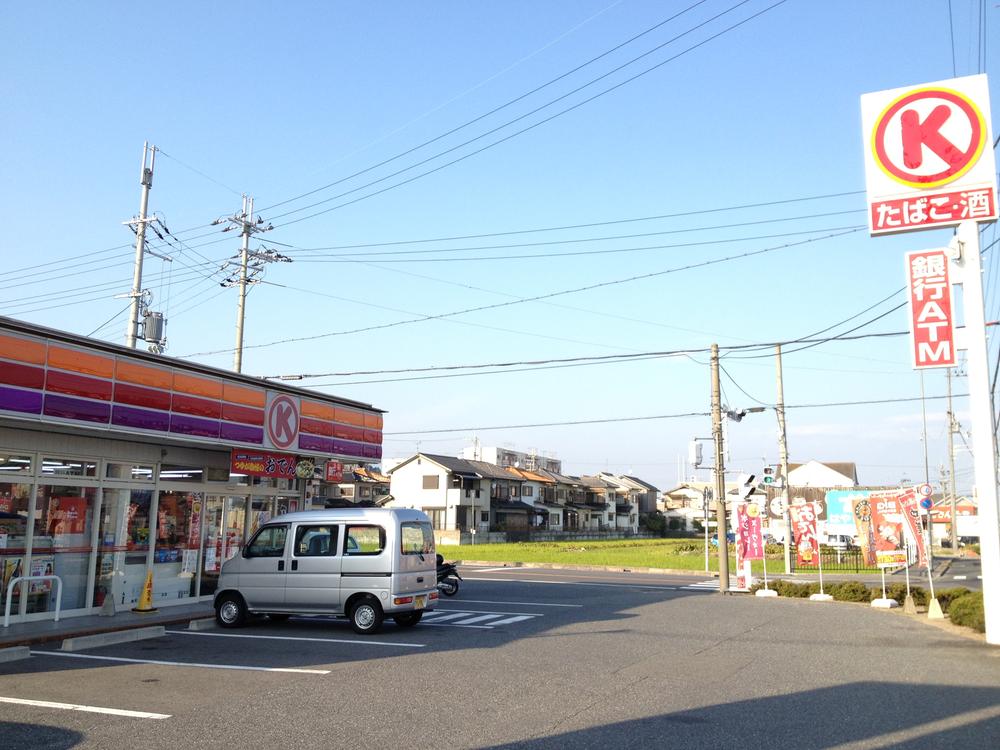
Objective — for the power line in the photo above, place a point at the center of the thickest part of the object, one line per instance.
(487, 114)
(684, 415)
(501, 140)
(589, 225)
(199, 172)
(577, 240)
(535, 298)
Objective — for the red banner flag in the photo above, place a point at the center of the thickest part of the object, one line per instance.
(750, 540)
(887, 525)
(804, 531)
(911, 515)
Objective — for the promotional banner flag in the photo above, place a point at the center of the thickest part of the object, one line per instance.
(887, 523)
(862, 508)
(804, 533)
(751, 536)
(910, 509)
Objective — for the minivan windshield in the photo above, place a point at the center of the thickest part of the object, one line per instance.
(417, 538)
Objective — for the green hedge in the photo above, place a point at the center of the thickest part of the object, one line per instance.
(968, 611)
(946, 596)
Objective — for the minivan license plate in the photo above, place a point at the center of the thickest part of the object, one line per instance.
(419, 602)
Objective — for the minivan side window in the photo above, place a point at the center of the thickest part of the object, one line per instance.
(315, 541)
(269, 542)
(364, 540)
(416, 538)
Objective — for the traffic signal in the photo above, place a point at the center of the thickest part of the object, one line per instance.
(769, 475)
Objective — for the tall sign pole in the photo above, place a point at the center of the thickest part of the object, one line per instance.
(929, 163)
(721, 531)
(783, 450)
(969, 267)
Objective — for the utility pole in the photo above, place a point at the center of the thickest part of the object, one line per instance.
(720, 474)
(951, 471)
(146, 180)
(241, 304)
(783, 452)
(251, 264)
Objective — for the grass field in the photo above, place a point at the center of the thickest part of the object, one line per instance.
(678, 554)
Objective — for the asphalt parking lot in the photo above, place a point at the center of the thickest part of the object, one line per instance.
(526, 658)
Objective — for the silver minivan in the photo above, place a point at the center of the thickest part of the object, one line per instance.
(362, 563)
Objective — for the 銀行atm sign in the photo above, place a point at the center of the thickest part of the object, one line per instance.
(932, 320)
(929, 155)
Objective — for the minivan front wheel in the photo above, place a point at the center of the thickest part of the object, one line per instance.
(366, 615)
(231, 611)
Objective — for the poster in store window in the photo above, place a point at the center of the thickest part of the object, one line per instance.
(67, 515)
(194, 524)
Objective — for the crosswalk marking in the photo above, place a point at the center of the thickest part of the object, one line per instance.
(476, 619)
(702, 586)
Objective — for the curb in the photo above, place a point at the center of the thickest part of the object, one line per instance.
(81, 642)
(35, 639)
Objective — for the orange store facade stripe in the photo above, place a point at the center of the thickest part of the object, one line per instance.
(22, 350)
(78, 361)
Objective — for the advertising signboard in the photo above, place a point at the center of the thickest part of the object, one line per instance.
(932, 322)
(887, 525)
(262, 463)
(928, 155)
(804, 531)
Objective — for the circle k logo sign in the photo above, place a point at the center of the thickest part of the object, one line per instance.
(281, 421)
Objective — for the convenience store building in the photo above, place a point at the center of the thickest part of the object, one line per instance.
(115, 462)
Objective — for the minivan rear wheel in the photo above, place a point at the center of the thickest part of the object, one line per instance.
(366, 615)
(231, 611)
(409, 619)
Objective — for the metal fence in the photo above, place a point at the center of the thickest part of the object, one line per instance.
(837, 560)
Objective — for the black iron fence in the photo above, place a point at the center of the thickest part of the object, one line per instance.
(836, 560)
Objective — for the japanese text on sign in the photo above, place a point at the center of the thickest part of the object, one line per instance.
(932, 330)
(263, 464)
(937, 209)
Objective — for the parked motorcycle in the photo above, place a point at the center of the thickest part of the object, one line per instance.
(447, 577)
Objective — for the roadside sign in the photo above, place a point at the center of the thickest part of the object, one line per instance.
(932, 323)
(928, 155)
(926, 503)
(925, 490)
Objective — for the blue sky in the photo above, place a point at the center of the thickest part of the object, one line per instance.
(279, 101)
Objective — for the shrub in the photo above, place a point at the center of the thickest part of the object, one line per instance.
(897, 591)
(975, 548)
(946, 596)
(968, 611)
(674, 524)
(850, 591)
(774, 550)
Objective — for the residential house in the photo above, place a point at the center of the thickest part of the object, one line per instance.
(600, 502)
(570, 495)
(540, 490)
(823, 474)
(627, 494)
(450, 490)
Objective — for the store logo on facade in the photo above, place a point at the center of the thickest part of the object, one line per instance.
(282, 421)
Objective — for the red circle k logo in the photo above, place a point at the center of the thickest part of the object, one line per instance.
(282, 420)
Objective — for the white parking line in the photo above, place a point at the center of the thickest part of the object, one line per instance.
(179, 663)
(438, 618)
(480, 612)
(519, 604)
(960, 578)
(479, 618)
(356, 641)
(511, 620)
(89, 709)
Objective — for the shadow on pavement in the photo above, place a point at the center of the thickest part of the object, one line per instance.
(36, 736)
(861, 714)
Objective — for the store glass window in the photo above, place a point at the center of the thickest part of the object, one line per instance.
(14, 500)
(68, 467)
(119, 559)
(62, 545)
(178, 537)
(129, 472)
(13, 466)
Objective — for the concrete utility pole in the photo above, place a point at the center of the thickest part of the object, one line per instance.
(783, 451)
(951, 470)
(247, 229)
(720, 474)
(146, 180)
(245, 222)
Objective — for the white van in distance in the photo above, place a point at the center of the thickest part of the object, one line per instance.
(362, 563)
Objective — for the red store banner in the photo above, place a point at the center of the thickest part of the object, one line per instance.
(804, 533)
(932, 320)
(334, 471)
(262, 463)
(887, 523)
(911, 515)
(750, 542)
